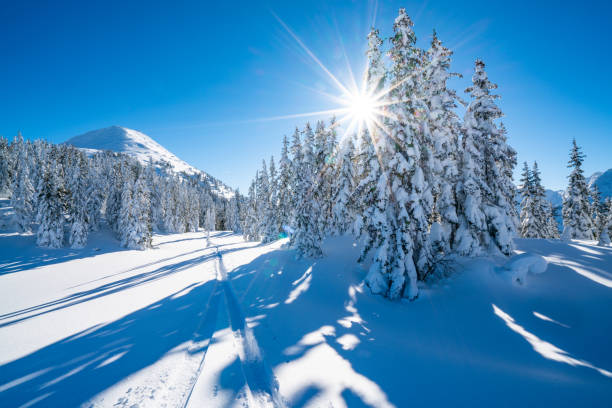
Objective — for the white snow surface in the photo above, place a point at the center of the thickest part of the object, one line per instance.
(140, 146)
(519, 266)
(245, 324)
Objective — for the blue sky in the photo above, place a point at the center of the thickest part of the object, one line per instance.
(198, 76)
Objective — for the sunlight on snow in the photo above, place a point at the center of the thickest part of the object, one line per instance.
(594, 276)
(548, 319)
(323, 368)
(348, 341)
(303, 283)
(546, 349)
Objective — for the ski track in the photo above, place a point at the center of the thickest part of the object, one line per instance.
(260, 385)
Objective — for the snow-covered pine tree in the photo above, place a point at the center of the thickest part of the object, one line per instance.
(367, 164)
(22, 191)
(284, 187)
(398, 232)
(445, 131)
(306, 236)
(597, 206)
(251, 223)
(114, 200)
(5, 163)
(76, 184)
(98, 184)
(297, 163)
(486, 219)
(234, 211)
(135, 229)
(263, 200)
(342, 189)
(506, 161)
(50, 208)
(606, 231)
(536, 216)
(528, 225)
(271, 223)
(577, 214)
(211, 218)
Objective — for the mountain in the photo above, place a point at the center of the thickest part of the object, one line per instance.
(143, 148)
(603, 180)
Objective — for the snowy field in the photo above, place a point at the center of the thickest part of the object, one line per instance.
(242, 324)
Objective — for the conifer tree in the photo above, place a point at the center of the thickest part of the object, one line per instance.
(606, 224)
(135, 229)
(284, 187)
(577, 214)
(486, 217)
(342, 189)
(307, 235)
(398, 233)
(5, 162)
(22, 197)
(76, 183)
(445, 131)
(50, 210)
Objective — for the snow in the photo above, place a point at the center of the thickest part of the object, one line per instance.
(140, 146)
(246, 324)
(519, 266)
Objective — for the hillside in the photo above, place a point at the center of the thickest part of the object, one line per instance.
(143, 148)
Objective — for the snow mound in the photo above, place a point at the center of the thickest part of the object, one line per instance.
(143, 148)
(517, 268)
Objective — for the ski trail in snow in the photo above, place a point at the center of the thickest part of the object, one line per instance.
(261, 384)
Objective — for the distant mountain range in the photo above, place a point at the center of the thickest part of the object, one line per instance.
(143, 148)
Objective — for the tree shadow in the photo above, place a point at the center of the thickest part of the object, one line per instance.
(106, 289)
(76, 368)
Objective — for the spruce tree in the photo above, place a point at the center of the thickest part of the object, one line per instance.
(284, 187)
(445, 131)
(342, 188)
(50, 209)
(486, 217)
(135, 229)
(76, 183)
(577, 213)
(22, 195)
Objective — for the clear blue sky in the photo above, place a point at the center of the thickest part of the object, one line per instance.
(195, 74)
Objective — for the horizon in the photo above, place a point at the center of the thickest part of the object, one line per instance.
(239, 91)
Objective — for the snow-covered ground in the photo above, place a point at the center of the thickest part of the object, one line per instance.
(242, 324)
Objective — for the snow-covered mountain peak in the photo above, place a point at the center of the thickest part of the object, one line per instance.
(132, 142)
(142, 147)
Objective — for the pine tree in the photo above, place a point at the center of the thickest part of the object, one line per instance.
(284, 187)
(598, 209)
(342, 189)
(22, 197)
(537, 220)
(486, 217)
(528, 226)
(445, 130)
(307, 235)
(50, 210)
(271, 223)
(76, 183)
(135, 229)
(5, 163)
(606, 224)
(398, 231)
(577, 214)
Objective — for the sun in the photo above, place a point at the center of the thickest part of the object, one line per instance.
(361, 107)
